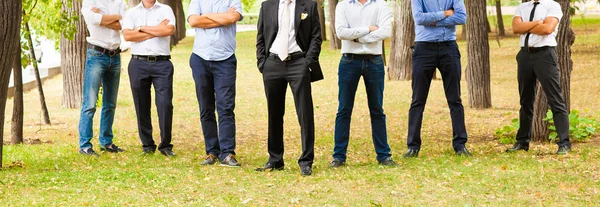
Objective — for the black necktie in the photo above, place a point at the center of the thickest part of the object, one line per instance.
(530, 19)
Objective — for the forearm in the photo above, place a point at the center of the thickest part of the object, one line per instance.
(523, 27)
(456, 19)
(109, 19)
(223, 19)
(542, 29)
(202, 21)
(114, 26)
(135, 36)
(159, 30)
(351, 33)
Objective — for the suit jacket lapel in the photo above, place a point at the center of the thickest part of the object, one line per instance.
(299, 9)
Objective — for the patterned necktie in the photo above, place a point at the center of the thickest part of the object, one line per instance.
(285, 32)
(530, 19)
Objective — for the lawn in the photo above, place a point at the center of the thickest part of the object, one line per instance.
(48, 171)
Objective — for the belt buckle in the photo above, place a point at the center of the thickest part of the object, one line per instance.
(289, 57)
(112, 52)
(151, 58)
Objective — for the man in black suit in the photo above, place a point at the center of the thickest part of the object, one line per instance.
(287, 49)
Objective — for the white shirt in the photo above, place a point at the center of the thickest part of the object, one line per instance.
(141, 16)
(546, 8)
(352, 21)
(292, 45)
(100, 35)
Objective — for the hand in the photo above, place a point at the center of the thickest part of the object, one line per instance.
(164, 22)
(373, 28)
(432, 24)
(95, 10)
(231, 10)
(449, 12)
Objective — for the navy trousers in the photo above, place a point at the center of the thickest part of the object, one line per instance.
(427, 56)
(215, 83)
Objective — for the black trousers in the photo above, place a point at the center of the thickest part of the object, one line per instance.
(541, 65)
(143, 75)
(428, 56)
(276, 76)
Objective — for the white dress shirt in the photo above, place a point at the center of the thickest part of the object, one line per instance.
(293, 45)
(141, 16)
(546, 8)
(352, 21)
(100, 35)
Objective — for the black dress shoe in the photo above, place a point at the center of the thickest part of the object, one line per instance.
(518, 146)
(336, 163)
(148, 152)
(269, 167)
(411, 153)
(168, 153)
(306, 170)
(210, 159)
(563, 150)
(463, 152)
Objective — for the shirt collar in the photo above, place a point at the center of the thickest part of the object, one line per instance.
(283, 1)
(354, 1)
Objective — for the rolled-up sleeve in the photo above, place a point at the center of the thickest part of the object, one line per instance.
(90, 17)
(194, 9)
(237, 4)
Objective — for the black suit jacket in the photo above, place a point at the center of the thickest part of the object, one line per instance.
(308, 33)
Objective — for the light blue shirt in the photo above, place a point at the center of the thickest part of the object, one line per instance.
(214, 44)
(428, 12)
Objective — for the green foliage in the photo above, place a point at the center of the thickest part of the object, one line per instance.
(47, 18)
(581, 129)
(247, 5)
(249, 19)
(507, 133)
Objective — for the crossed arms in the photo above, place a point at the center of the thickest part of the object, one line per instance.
(95, 17)
(372, 33)
(147, 32)
(212, 20)
(537, 27)
(454, 16)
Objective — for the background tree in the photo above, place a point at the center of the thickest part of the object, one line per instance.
(17, 116)
(478, 61)
(10, 16)
(72, 52)
(38, 80)
(403, 36)
(500, 20)
(565, 38)
(321, 12)
(247, 5)
(335, 43)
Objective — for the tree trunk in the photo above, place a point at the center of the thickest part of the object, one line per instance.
(321, 12)
(335, 42)
(38, 80)
(72, 60)
(17, 116)
(403, 36)
(500, 20)
(10, 16)
(463, 34)
(478, 60)
(565, 38)
(180, 18)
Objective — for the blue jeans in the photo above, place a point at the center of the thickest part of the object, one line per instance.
(373, 73)
(215, 84)
(105, 69)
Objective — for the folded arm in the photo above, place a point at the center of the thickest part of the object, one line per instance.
(547, 27)
(459, 17)
(114, 26)
(342, 28)
(135, 36)
(520, 27)
(427, 18)
(384, 22)
(160, 30)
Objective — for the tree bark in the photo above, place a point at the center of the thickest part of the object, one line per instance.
(478, 60)
(16, 126)
(403, 36)
(38, 80)
(321, 12)
(500, 20)
(565, 38)
(463, 34)
(180, 18)
(335, 42)
(10, 16)
(72, 60)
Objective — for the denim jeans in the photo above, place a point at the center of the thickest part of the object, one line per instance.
(215, 85)
(105, 69)
(373, 73)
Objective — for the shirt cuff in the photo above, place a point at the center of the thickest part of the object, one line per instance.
(439, 16)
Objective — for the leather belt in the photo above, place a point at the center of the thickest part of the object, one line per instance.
(437, 43)
(360, 56)
(151, 58)
(290, 57)
(104, 50)
(537, 49)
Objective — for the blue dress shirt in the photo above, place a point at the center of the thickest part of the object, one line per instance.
(428, 12)
(214, 44)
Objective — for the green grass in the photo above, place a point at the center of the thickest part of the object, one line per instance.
(54, 174)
